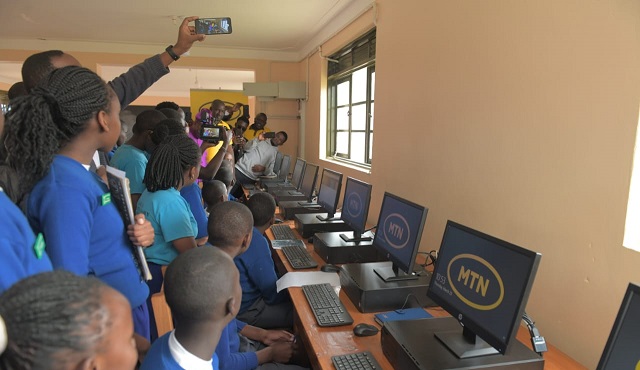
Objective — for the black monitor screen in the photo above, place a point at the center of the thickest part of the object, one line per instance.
(484, 282)
(309, 180)
(329, 193)
(283, 172)
(398, 233)
(355, 206)
(622, 350)
(278, 162)
(298, 170)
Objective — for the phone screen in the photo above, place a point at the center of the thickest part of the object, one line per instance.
(213, 26)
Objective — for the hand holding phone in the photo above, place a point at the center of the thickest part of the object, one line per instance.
(269, 135)
(213, 26)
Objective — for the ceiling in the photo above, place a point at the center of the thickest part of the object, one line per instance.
(283, 30)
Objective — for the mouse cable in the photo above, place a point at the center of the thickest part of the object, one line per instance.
(406, 300)
(537, 340)
(431, 255)
(371, 228)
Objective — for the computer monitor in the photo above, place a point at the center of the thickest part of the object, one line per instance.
(621, 350)
(283, 172)
(398, 234)
(329, 193)
(309, 181)
(355, 209)
(298, 170)
(278, 162)
(483, 282)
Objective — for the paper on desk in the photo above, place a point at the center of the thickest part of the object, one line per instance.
(307, 278)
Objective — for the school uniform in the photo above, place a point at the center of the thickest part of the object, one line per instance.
(133, 162)
(228, 349)
(193, 195)
(168, 354)
(84, 232)
(262, 305)
(21, 255)
(169, 214)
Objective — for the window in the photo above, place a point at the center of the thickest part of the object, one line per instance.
(350, 84)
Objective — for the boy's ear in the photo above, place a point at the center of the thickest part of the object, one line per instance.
(230, 307)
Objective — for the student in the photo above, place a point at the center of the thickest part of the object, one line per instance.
(133, 156)
(214, 192)
(58, 320)
(226, 175)
(200, 313)
(262, 305)
(259, 158)
(230, 229)
(51, 136)
(22, 255)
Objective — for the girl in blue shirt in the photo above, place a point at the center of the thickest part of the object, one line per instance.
(173, 165)
(51, 137)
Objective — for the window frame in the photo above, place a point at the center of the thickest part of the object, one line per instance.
(350, 60)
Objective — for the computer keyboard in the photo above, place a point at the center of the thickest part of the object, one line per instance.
(298, 256)
(326, 305)
(359, 361)
(282, 232)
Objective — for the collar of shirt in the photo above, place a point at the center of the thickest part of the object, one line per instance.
(184, 358)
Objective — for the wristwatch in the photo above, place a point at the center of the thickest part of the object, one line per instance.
(172, 53)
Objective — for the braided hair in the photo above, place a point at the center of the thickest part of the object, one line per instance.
(165, 128)
(52, 319)
(54, 113)
(169, 161)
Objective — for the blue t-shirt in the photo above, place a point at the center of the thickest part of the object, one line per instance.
(229, 347)
(83, 229)
(171, 219)
(193, 195)
(133, 162)
(159, 357)
(21, 256)
(257, 273)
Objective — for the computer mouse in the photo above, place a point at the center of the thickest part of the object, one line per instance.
(365, 330)
(310, 240)
(329, 268)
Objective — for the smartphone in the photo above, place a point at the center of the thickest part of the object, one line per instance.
(269, 135)
(213, 26)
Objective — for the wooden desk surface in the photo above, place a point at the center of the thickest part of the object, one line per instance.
(323, 342)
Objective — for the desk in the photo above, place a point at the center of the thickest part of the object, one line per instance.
(323, 342)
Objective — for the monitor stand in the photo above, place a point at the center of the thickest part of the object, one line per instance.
(369, 293)
(392, 273)
(413, 345)
(308, 224)
(340, 247)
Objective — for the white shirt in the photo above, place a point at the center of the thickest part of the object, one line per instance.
(184, 358)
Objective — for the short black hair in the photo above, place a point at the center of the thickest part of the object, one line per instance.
(286, 137)
(262, 207)
(50, 316)
(147, 120)
(167, 104)
(243, 119)
(207, 272)
(171, 113)
(225, 173)
(212, 190)
(228, 223)
(37, 66)
(17, 89)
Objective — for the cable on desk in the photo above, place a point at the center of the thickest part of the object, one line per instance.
(537, 341)
(431, 255)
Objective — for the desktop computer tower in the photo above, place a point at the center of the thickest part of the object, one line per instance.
(290, 208)
(308, 224)
(411, 344)
(369, 293)
(333, 249)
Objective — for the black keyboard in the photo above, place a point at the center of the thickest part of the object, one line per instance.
(326, 305)
(282, 232)
(298, 256)
(359, 361)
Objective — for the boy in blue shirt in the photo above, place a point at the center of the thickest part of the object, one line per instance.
(262, 305)
(200, 313)
(231, 229)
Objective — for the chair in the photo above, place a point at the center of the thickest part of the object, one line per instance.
(161, 310)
